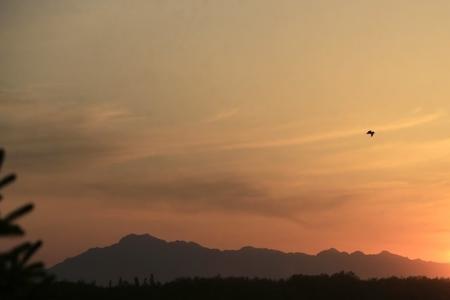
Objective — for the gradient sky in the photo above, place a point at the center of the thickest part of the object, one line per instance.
(229, 123)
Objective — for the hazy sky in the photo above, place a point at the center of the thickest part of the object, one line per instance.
(229, 123)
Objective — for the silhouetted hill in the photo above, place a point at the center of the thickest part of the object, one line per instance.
(143, 255)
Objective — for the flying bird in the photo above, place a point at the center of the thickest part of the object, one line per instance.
(371, 133)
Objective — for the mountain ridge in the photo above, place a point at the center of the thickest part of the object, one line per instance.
(139, 255)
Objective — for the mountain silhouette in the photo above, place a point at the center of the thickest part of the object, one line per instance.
(144, 255)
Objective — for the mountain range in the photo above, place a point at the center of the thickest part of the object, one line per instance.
(144, 255)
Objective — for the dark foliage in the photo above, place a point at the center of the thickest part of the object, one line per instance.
(19, 278)
(338, 286)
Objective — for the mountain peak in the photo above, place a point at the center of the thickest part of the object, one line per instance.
(358, 253)
(331, 251)
(139, 238)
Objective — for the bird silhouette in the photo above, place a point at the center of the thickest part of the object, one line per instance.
(370, 132)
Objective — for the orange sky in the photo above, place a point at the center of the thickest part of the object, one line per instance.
(230, 123)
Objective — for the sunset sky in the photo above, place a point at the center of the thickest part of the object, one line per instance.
(229, 123)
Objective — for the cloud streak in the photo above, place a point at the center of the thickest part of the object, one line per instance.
(222, 116)
(216, 193)
(45, 134)
(323, 137)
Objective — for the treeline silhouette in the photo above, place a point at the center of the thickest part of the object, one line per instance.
(338, 286)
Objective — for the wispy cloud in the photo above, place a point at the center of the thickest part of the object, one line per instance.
(332, 135)
(47, 134)
(201, 146)
(412, 122)
(221, 116)
(217, 193)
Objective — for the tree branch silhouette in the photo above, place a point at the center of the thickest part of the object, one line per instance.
(19, 278)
